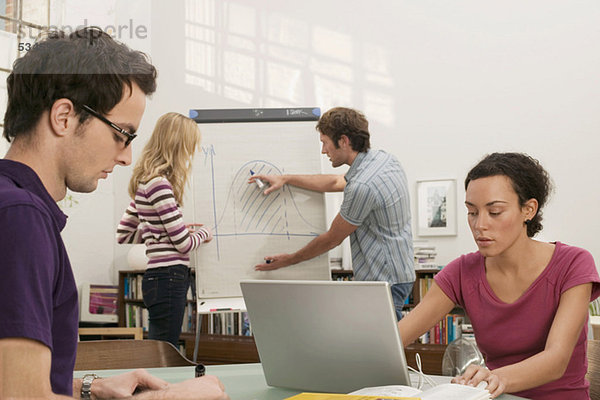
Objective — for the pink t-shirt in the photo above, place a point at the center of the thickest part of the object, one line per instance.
(509, 333)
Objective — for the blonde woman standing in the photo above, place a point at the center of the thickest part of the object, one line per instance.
(154, 218)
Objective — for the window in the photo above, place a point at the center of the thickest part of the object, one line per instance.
(21, 22)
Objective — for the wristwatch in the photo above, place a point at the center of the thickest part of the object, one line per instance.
(86, 386)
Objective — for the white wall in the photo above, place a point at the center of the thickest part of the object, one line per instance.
(442, 83)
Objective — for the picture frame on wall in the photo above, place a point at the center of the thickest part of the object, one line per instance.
(436, 207)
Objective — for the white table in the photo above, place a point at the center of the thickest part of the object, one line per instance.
(242, 381)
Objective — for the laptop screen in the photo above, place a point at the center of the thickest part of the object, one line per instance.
(326, 336)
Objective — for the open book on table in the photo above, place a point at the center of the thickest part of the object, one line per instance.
(445, 391)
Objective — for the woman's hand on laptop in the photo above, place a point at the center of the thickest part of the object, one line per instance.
(475, 374)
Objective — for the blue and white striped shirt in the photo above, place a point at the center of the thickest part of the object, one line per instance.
(376, 199)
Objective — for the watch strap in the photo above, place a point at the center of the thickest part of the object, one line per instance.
(86, 386)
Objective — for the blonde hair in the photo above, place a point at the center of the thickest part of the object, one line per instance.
(168, 153)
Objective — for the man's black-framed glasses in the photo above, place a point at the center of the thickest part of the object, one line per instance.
(129, 136)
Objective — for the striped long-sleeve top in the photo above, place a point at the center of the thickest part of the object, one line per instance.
(154, 218)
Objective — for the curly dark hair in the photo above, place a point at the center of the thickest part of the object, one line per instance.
(86, 66)
(340, 121)
(529, 180)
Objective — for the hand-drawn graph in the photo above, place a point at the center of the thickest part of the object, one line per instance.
(247, 211)
(248, 225)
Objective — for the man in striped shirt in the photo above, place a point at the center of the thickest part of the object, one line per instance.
(375, 212)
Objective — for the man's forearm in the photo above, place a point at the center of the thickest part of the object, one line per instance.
(315, 247)
(76, 388)
(318, 183)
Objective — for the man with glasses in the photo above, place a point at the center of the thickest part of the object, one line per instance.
(128, 137)
(74, 104)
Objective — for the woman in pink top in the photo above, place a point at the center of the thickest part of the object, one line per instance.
(527, 300)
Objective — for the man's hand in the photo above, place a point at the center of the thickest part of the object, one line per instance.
(275, 182)
(207, 387)
(120, 386)
(275, 262)
(123, 386)
(475, 374)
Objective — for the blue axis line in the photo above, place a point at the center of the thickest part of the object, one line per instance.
(212, 172)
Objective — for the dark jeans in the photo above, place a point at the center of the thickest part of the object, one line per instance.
(400, 292)
(165, 290)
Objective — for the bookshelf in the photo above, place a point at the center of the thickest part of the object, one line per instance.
(231, 349)
(342, 274)
(432, 345)
(449, 328)
(423, 280)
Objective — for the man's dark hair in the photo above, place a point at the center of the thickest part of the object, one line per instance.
(529, 180)
(87, 66)
(340, 121)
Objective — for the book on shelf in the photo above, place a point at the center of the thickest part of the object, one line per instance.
(344, 278)
(339, 274)
(595, 308)
(445, 331)
(235, 323)
(132, 287)
(232, 322)
(467, 331)
(335, 263)
(424, 256)
(188, 324)
(219, 323)
(136, 316)
(433, 266)
(425, 284)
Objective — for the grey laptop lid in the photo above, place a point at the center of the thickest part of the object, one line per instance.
(326, 336)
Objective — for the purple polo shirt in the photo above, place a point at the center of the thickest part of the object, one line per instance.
(38, 295)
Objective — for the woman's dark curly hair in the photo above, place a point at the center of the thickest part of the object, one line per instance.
(529, 180)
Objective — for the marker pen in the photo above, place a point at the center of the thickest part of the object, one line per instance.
(260, 183)
(200, 370)
(269, 261)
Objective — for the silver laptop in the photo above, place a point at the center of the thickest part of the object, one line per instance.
(325, 336)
